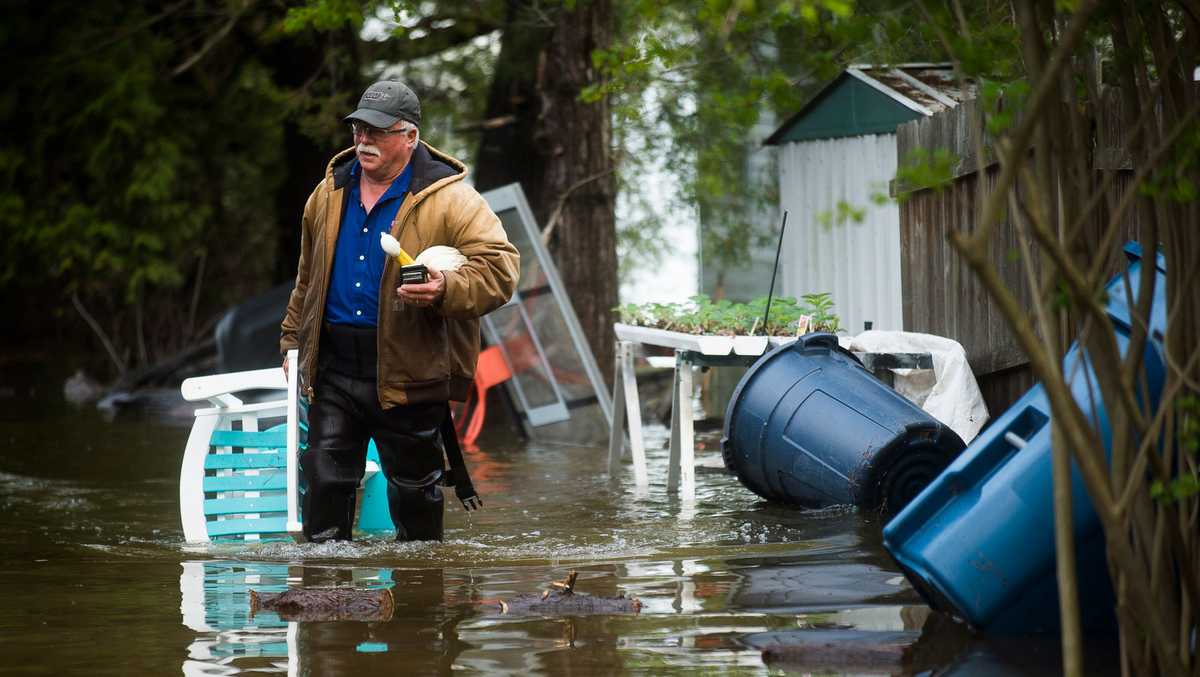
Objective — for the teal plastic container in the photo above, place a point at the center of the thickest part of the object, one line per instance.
(373, 511)
(807, 425)
(978, 543)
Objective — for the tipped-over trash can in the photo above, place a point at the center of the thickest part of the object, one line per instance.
(808, 425)
(978, 543)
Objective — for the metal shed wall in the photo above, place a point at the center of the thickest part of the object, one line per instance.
(857, 263)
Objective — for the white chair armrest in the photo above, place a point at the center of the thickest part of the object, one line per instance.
(213, 387)
(261, 409)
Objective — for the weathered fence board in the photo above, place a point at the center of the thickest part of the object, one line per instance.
(940, 294)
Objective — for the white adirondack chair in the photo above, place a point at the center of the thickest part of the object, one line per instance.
(240, 475)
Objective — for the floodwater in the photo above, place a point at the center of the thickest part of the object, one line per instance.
(95, 578)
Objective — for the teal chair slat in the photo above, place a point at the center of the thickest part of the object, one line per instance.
(242, 506)
(274, 457)
(275, 438)
(245, 650)
(232, 527)
(244, 461)
(246, 483)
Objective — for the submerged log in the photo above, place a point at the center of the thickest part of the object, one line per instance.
(840, 656)
(569, 604)
(326, 604)
(564, 601)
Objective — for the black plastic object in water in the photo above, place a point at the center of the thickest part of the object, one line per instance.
(248, 334)
(809, 426)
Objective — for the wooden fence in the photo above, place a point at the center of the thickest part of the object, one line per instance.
(940, 294)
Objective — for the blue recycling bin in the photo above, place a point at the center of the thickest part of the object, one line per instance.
(807, 425)
(979, 541)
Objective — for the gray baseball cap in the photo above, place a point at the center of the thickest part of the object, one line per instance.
(386, 102)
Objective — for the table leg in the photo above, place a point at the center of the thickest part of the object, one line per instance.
(633, 413)
(673, 458)
(687, 439)
(681, 473)
(616, 432)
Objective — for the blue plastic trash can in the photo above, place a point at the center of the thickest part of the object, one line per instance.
(807, 425)
(979, 541)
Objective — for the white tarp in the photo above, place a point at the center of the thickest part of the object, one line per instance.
(949, 393)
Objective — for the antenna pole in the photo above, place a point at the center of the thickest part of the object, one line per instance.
(774, 272)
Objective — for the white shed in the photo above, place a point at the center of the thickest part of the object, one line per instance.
(835, 154)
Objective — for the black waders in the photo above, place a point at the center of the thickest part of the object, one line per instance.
(343, 417)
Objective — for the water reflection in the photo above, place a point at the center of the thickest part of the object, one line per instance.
(696, 612)
(95, 577)
(229, 638)
(439, 616)
(215, 604)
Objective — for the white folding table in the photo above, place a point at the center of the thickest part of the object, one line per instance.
(690, 351)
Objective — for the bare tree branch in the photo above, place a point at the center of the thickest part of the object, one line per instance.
(122, 35)
(212, 41)
(1046, 86)
(100, 334)
(552, 222)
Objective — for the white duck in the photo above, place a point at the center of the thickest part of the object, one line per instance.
(438, 257)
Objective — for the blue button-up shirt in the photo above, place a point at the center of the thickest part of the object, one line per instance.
(358, 261)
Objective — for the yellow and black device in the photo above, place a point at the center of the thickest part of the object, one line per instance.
(411, 272)
(415, 273)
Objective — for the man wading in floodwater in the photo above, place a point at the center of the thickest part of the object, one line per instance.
(380, 360)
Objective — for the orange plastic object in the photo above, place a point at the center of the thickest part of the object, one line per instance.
(490, 370)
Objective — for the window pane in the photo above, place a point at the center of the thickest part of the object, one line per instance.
(529, 373)
(532, 274)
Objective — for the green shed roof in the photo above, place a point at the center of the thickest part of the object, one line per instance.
(869, 100)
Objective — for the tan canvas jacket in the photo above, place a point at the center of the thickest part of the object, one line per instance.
(425, 354)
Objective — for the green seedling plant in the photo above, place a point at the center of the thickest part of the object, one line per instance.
(701, 315)
(821, 307)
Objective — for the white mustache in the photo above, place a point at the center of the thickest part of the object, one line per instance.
(369, 149)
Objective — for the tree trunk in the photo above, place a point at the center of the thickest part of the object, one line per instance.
(507, 151)
(579, 185)
(303, 68)
(538, 133)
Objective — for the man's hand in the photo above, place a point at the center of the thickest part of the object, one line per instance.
(424, 294)
(285, 368)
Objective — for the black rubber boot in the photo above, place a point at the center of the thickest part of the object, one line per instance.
(332, 466)
(417, 508)
(331, 481)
